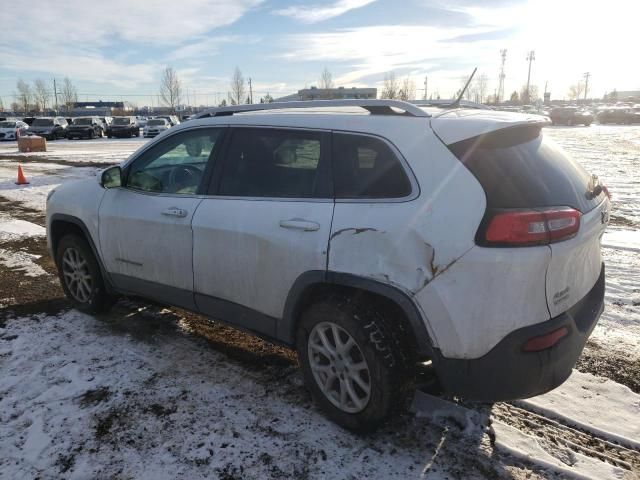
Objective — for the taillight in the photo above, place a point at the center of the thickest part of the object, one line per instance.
(532, 227)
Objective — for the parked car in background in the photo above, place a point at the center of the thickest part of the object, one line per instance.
(50, 128)
(123, 127)
(570, 116)
(617, 115)
(106, 122)
(172, 119)
(28, 120)
(324, 232)
(12, 129)
(85, 127)
(142, 121)
(155, 126)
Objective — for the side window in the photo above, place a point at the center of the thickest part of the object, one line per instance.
(175, 165)
(273, 163)
(366, 167)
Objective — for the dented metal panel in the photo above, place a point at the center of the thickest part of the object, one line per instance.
(408, 244)
(484, 296)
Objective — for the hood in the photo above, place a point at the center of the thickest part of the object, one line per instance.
(456, 125)
(78, 127)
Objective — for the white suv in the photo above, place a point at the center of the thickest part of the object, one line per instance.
(369, 235)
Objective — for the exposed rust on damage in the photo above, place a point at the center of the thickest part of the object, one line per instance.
(356, 231)
(434, 269)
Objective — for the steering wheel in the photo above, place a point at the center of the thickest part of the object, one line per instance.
(184, 176)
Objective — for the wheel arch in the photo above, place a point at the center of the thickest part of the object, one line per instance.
(61, 225)
(316, 284)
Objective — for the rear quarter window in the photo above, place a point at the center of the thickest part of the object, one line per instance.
(366, 167)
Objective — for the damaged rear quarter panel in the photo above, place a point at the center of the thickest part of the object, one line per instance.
(409, 243)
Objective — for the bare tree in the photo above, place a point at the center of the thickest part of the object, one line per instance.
(481, 86)
(1, 105)
(238, 87)
(170, 89)
(531, 96)
(576, 91)
(390, 88)
(68, 94)
(41, 94)
(326, 79)
(24, 95)
(407, 89)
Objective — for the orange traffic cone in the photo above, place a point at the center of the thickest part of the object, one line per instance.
(21, 179)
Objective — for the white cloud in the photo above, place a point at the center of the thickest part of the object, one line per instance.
(318, 13)
(163, 22)
(372, 51)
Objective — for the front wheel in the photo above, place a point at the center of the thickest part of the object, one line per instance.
(80, 275)
(354, 362)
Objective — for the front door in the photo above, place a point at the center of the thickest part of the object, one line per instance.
(145, 225)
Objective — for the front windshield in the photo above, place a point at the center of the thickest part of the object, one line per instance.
(121, 121)
(7, 124)
(42, 122)
(83, 121)
(156, 122)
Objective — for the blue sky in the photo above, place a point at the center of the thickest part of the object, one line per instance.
(118, 50)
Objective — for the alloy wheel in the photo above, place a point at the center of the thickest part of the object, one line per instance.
(339, 367)
(77, 276)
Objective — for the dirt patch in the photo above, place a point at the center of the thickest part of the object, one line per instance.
(22, 295)
(57, 161)
(18, 210)
(605, 363)
(95, 396)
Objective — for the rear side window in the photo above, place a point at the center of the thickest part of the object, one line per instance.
(273, 163)
(519, 168)
(366, 167)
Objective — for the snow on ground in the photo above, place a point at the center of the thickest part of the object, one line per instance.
(108, 151)
(13, 229)
(567, 464)
(22, 262)
(88, 398)
(42, 177)
(594, 404)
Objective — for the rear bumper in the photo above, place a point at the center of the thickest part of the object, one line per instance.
(507, 372)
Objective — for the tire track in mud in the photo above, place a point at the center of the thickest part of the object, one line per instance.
(553, 434)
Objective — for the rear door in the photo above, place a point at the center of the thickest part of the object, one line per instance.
(266, 222)
(521, 170)
(145, 225)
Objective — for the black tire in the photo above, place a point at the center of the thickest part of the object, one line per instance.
(383, 347)
(109, 136)
(98, 300)
(588, 124)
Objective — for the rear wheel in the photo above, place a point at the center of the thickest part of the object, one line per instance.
(354, 362)
(80, 275)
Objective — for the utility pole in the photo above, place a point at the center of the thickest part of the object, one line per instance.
(587, 75)
(531, 56)
(500, 93)
(55, 94)
(426, 83)
(250, 91)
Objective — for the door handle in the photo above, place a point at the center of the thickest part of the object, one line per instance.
(299, 224)
(175, 212)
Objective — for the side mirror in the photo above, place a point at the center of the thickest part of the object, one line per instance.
(111, 177)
